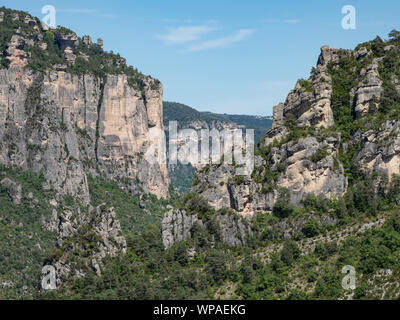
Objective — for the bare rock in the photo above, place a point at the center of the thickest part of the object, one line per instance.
(14, 190)
(369, 91)
(177, 226)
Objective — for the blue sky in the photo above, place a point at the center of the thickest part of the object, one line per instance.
(224, 56)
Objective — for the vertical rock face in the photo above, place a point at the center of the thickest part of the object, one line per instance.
(68, 126)
(369, 90)
(68, 111)
(310, 101)
(177, 225)
(381, 150)
(126, 125)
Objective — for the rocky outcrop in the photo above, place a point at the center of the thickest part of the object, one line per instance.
(14, 54)
(311, 168)
(381, 149)
(14, 190)
(369, 91)
(84, 239)
(276, 134)
(233, 231)
(100, 43)
(307, 167)
(67, 45)
(177, 225)
(310, 101)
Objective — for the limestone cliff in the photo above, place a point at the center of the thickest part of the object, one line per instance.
(68, 122)
(70, 111)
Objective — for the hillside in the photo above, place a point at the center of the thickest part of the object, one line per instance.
(260, 124)
(78, 195)
(191, 118)
(271, 239)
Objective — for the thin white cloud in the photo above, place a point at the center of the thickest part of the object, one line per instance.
(292, 21)
(281, 21)
(91, 12)
(185, 34)
(222, 42)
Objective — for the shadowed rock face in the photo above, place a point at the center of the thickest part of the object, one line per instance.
(69, 126)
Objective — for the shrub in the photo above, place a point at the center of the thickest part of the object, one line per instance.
(311, 228)
(290, 252)
(196, 204)
(283, 208)
(319, 155)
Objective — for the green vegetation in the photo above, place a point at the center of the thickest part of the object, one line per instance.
(24, 243)
(293, 253)
(193, 203)
(134, 212)
(319, 155)
(8, 28)
(307, 85)
(283, 207)
(196, 269)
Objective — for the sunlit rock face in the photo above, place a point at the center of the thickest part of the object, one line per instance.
(69, 126)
